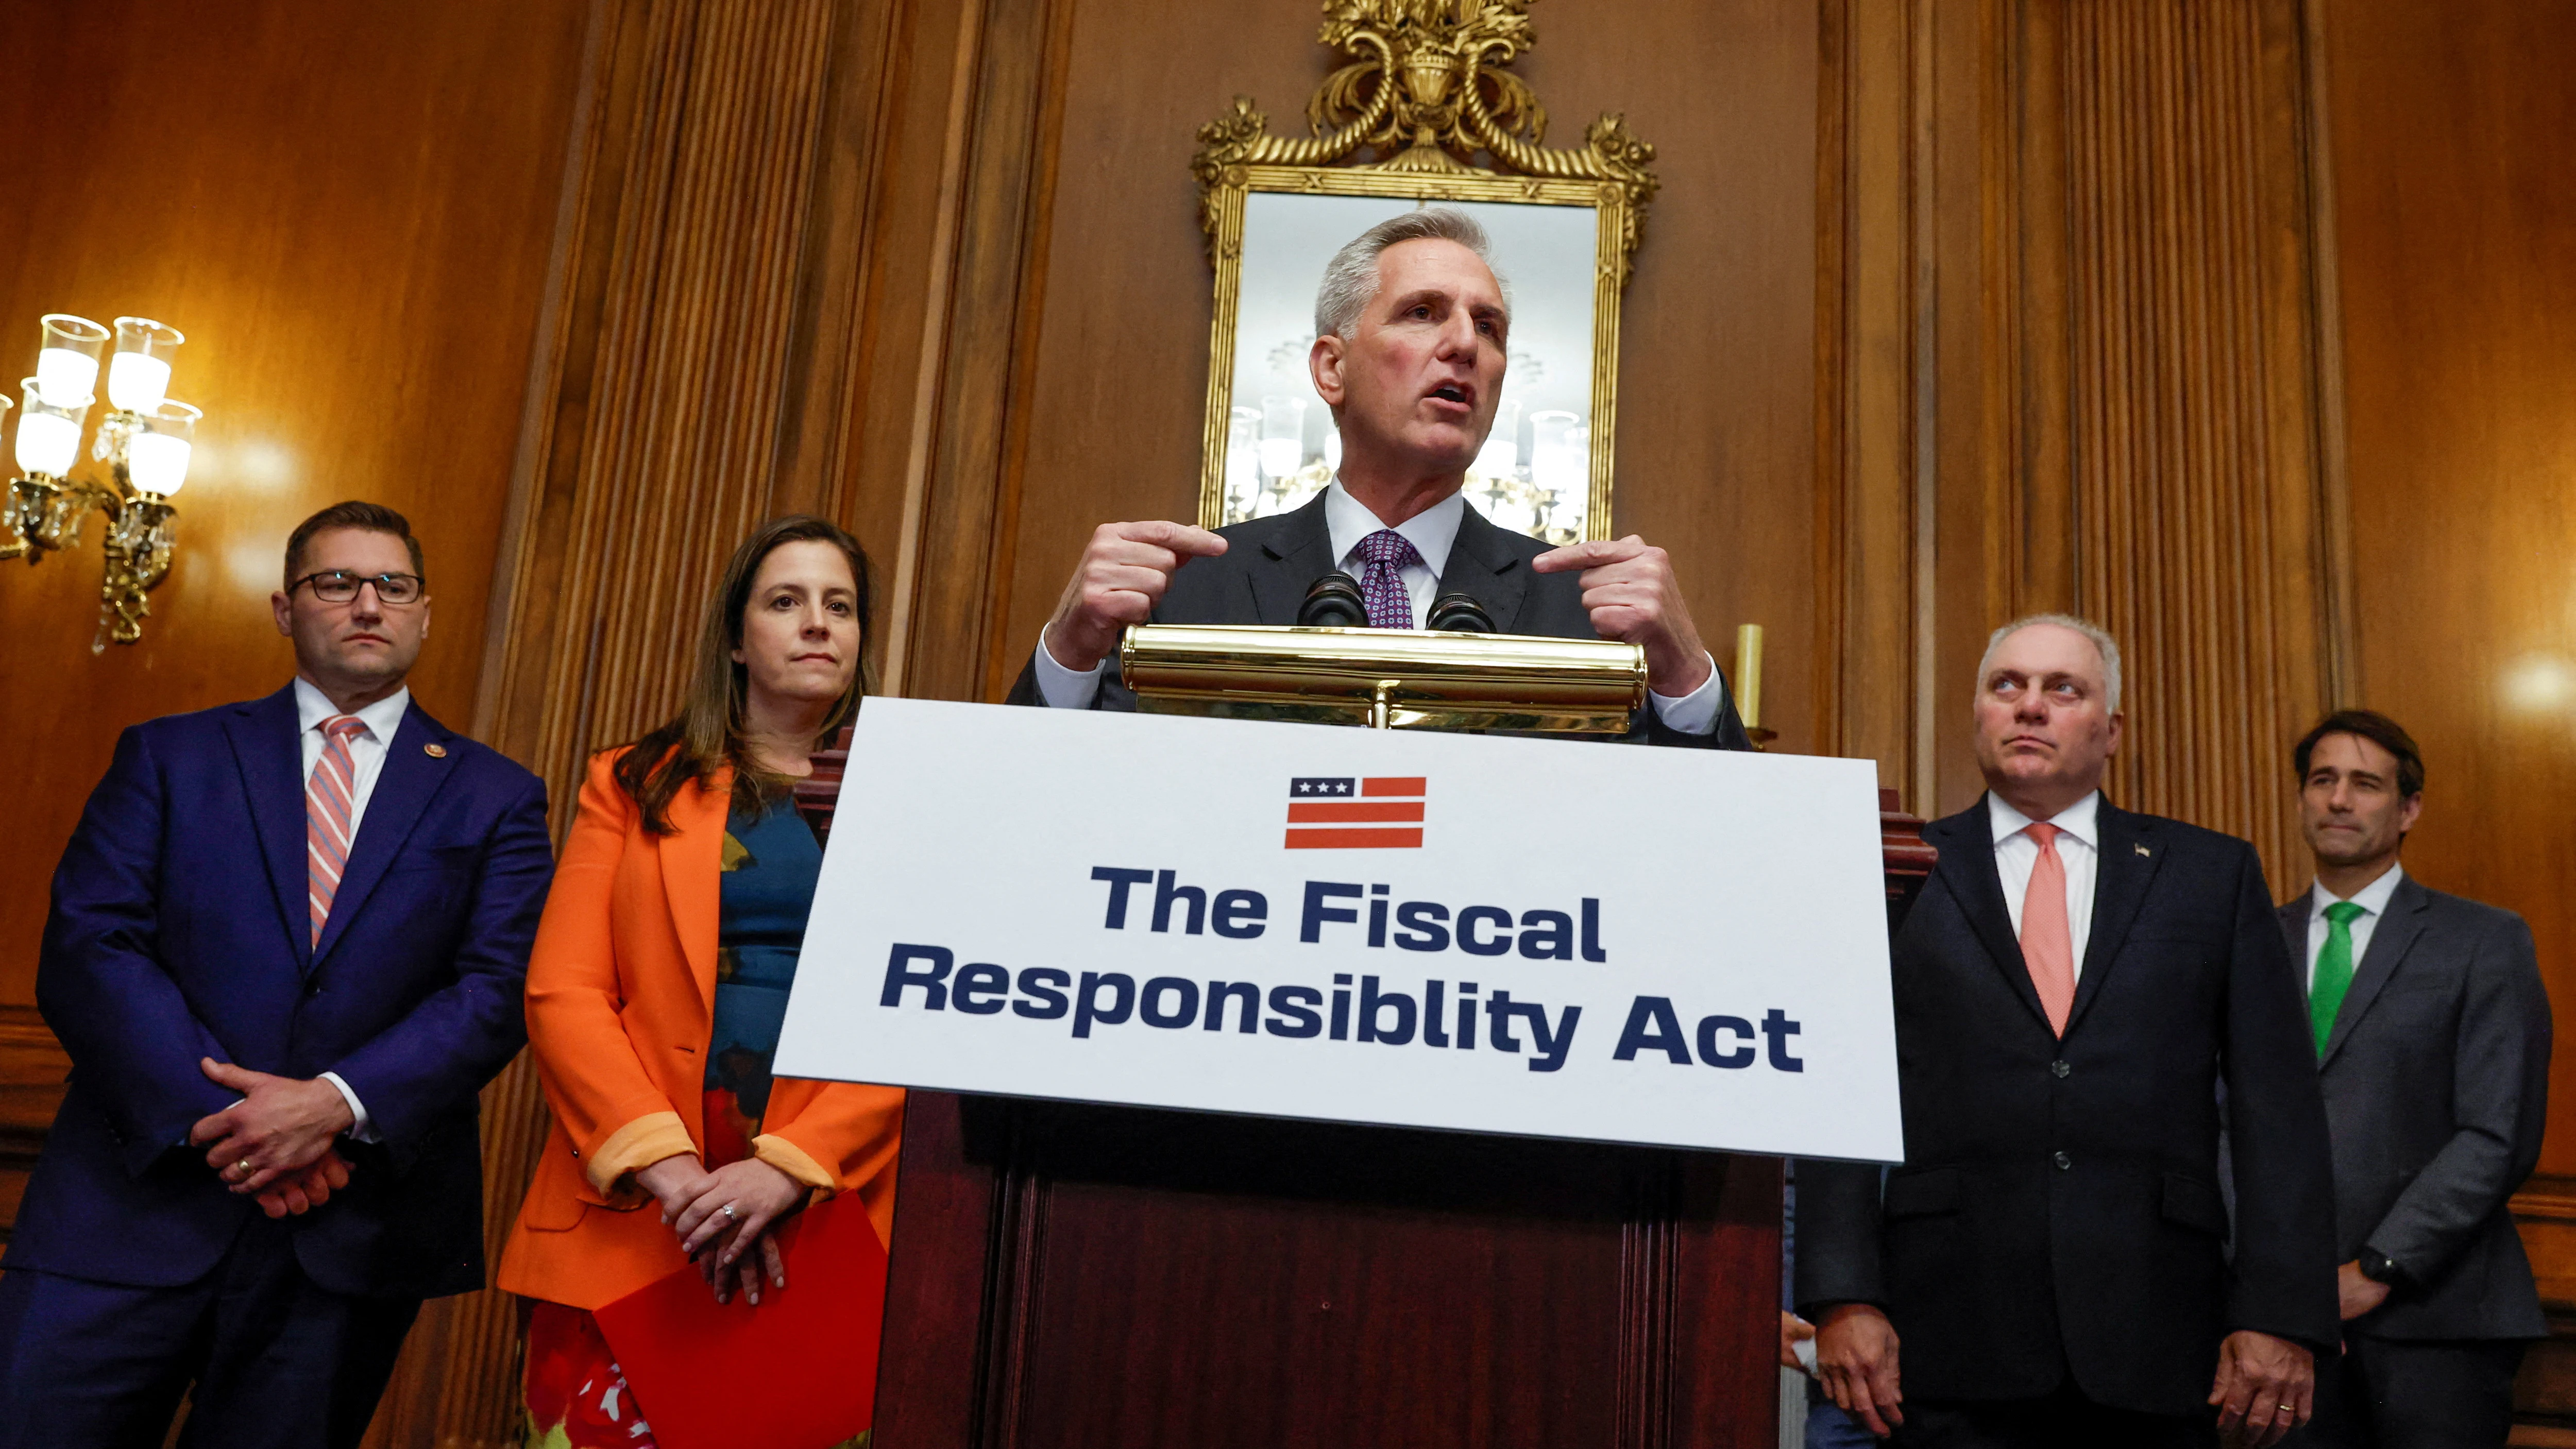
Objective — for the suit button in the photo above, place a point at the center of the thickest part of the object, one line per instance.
(2059, 1069)
(313, 990)
(2064, 1162)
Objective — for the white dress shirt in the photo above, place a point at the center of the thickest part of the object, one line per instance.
(2079, 849)
(1432, 532)
(367, 761)
(2373, 900)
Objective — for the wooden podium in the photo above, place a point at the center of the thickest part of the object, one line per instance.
(1069, 1275)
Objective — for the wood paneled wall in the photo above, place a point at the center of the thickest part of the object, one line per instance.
(2456, 223)
(351, 220)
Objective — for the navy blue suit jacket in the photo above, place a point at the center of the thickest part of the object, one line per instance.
(180, 929)
(2059, 1207)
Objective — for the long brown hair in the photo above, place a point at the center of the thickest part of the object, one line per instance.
(707, 734)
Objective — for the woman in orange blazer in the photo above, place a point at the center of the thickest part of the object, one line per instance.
(657, 985)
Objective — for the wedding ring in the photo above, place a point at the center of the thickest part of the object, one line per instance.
(727, 1210)
(243, 1167)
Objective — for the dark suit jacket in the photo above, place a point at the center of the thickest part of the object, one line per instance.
(2436, 1081)
(1263, 575)
(2058, 1209)
(180, 929)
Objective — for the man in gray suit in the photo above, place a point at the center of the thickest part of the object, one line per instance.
(2432, 1038)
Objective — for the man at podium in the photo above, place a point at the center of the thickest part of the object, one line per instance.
(1411, 326)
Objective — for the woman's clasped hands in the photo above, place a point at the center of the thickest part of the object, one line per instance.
(720, 1217)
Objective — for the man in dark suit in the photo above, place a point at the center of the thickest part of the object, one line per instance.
(2432, 1042)
(2074, 988)
(1411, 327)
(286, 949)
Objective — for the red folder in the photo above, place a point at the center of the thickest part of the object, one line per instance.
(798, 1372)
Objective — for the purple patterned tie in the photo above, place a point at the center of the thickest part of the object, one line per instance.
(1383, 555)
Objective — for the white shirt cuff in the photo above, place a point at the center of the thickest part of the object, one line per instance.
(1064, 688)
(1694, 713)
(360, 1130)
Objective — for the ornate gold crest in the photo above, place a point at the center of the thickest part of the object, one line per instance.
(1425, 91)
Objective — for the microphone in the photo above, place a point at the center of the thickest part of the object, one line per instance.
(1458, 614)
(1333, 602)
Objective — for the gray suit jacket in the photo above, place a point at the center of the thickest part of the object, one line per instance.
(2436, 1081)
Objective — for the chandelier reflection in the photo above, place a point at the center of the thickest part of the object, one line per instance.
(1542, 491)
(145, 441)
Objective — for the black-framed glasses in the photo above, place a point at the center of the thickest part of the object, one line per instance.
(339, 586)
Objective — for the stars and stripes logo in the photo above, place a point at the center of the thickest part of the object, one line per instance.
(1344, 812)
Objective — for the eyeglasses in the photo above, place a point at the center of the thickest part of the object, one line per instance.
(339, 586)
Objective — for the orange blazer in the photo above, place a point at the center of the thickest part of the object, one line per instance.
(621, 994)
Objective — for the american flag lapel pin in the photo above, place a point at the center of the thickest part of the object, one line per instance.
(435, 752)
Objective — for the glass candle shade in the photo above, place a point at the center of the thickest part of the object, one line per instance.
(156, 456)
(138, 377)
(1556, 463)
(1501, 455)
(67, 358)
(1242, 462)
(1283, 435)
(49, 434)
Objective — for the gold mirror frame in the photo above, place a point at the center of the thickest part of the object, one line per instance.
(1425, 90)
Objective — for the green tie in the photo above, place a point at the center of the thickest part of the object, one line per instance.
(2334, 972)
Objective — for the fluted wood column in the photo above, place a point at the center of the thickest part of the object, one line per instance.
(656, 427)
(2198, 485)
(2075, 362)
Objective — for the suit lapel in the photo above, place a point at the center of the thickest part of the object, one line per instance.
(2294, 934)
(265, 747)
(1967, 869)
(2389, 942)
(1483, 567)
(693, 874)
(405, 783)
(2129, 858)
(1289, 565)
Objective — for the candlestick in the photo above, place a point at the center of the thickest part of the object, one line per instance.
(1748, 674)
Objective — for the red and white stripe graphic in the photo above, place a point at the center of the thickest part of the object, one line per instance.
(1386, 815)
(328, 805)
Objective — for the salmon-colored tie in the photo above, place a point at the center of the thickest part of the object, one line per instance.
(2047, 941)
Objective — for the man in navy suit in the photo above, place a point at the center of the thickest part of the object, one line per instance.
(285, 952)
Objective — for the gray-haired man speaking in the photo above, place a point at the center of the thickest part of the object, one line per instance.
(1412, 326)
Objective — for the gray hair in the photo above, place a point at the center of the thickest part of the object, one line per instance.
(2103, 644)
(1351, 277)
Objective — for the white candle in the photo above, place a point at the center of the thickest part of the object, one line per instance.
(47, 443)
(1281, 456)
(136, 381)
(65, 377)
(157, 463)
(1748, 674)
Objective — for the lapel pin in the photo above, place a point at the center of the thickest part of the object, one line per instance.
(439, 752)
(2140, 849)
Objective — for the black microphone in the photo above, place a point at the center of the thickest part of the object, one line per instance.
(1333, 602)
(1458, 614)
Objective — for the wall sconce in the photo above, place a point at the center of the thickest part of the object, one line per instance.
(144, 440)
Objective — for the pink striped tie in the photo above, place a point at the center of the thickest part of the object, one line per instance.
(327, 798)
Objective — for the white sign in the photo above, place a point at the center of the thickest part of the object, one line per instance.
(1537, 937)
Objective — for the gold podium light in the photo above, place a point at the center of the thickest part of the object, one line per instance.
(145, 440)
(1385, 678)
